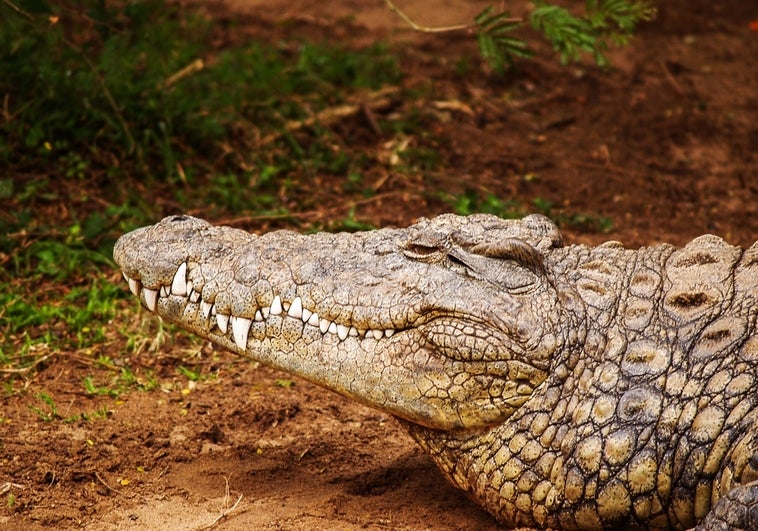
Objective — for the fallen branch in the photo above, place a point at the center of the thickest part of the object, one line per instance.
(229, 510)
(101, 480)
(18, 10)
(194, 66)
(28, 367)
(225, 513)
(376, 100)
(424, 29)
(6, 487)
(670, 78)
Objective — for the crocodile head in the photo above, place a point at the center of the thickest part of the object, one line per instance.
(449, 324)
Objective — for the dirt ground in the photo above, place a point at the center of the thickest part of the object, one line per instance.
(665, 145)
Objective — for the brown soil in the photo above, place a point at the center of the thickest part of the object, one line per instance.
(665, 145)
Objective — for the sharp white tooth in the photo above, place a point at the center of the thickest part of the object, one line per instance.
(389, 332)
(223, 322)
(342, 331)
(133, 286)
(353, 331)
(194, 296)
(378, 334)
(296, 309)
(313, 319)
(206, 308)
(123, 274)
(151, 298)
(179, 284)
(258, 316)
(323, 325)
(276, 306)
(332, 328)
(164, 291)
(213, 310)
(240, 328)
(189, 287)
(306, 315)
(266, 311)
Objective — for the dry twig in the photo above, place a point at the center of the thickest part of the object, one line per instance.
(194, 66)
(28, 367)
(424, 29)
(5, 488)
(225, 513)
(331, 115)
(671, 80)
(101, 480)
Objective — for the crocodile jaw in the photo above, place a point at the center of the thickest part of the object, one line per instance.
(403, 346)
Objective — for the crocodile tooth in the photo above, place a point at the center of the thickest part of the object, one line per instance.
(206, 308)
(377, 334)
(323, 325)
(389, 332)
(296, 308)
(151, 298)
(194, 296)
(266, 311)
(133, 286)
(276, 306)
(179, 284)
(332, 328)
(313, 319)
(306, 315)
(164, 291)
(258, 316)
(223, 322)
(342, 331)
(353, 332)
(240, 328)
(189, 287)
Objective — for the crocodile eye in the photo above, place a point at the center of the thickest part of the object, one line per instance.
(510, 271)
(420, 250)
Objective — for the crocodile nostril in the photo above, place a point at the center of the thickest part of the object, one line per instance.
(179, 218)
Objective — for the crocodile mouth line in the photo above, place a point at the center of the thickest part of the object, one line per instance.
(240, 326)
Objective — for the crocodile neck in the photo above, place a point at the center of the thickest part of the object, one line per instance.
(644, 412)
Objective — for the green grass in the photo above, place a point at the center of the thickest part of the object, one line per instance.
(471, 202)
(579, 221)
(47, 410)
(82, 97)
(120, 380)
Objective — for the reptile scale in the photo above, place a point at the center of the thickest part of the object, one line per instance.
(564, 387)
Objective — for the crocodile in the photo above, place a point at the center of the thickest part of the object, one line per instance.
(560, 386)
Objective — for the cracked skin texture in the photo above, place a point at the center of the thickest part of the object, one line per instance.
(564, 387)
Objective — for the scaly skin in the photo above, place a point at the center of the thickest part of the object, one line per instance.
(561, 387)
